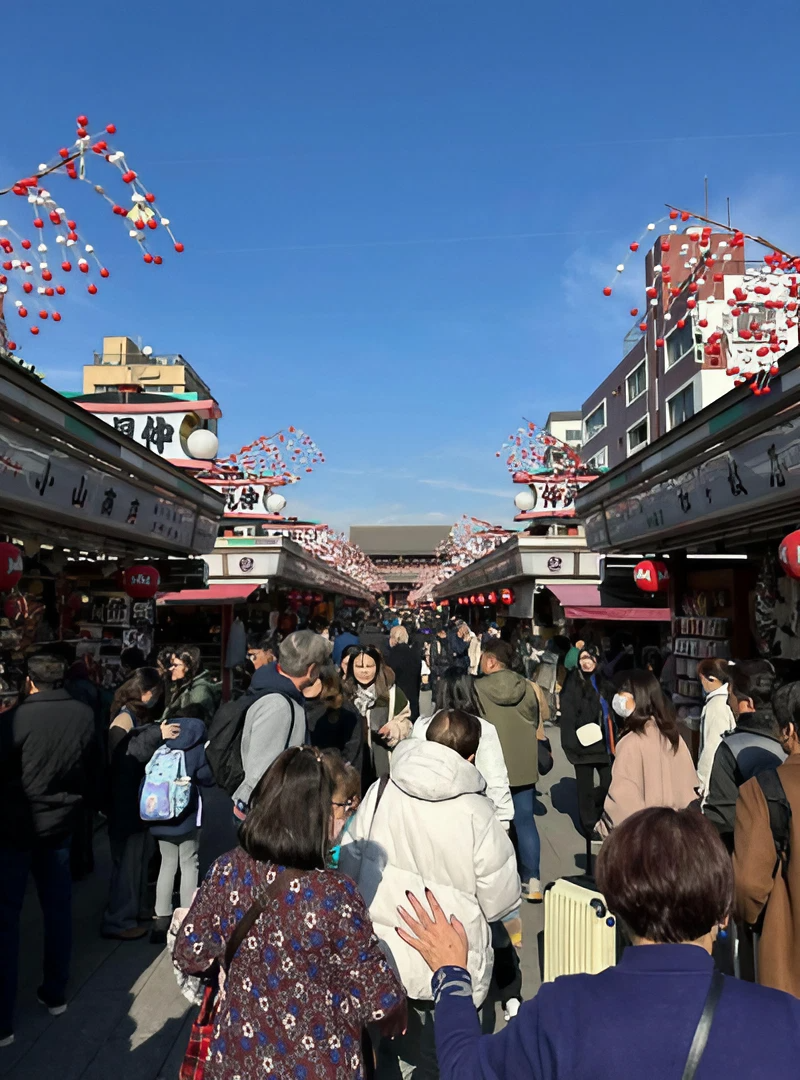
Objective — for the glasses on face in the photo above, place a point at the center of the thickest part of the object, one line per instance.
(342, 805)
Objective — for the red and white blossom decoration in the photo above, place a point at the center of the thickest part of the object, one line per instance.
(38, 257)
(272, 459)
(470, 539)
(530, 451)
(769, 293)
(339, 552)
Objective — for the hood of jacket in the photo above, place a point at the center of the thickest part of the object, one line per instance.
(268, 679)
(503, 687)
(193, 733)
(432, 772)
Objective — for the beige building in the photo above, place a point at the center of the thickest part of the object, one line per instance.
(123, 363)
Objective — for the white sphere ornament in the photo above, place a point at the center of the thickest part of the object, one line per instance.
(148, 350)
(650, 227)
(202, 444)
(525, 500)
(620, 268)
(275, 503)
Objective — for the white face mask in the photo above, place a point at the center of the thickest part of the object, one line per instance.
(621, 706)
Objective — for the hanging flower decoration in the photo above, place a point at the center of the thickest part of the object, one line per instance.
(529, 451)
(275, 459)
(470, 539)
(692, 273)
(336, 550)
(49, 255)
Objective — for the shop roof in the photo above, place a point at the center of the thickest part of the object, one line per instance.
(214, 594)
(584, 602)
(399, 539)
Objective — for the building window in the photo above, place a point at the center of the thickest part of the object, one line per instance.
(595, 421)
(681, 406)
(638, 435)
(573, 435)
(598, 460)
(636, 383)
(679, 343)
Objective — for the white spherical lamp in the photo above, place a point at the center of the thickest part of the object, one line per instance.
(275, 503)
(202, 444)
(525, 500)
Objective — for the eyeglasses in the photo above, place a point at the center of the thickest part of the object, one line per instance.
(342, 805)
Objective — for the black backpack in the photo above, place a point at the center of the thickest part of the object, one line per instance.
(780, 816)
(224, 746)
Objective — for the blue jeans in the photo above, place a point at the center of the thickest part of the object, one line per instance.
(528, 843)
(51, 873)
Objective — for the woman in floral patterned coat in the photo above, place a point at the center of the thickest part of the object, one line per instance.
(310, 974)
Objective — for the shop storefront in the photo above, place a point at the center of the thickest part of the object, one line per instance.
(81, 503)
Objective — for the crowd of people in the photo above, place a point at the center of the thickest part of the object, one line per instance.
(385, 850)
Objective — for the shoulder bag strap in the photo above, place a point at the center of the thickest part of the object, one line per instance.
(382, 785)
(250, 917)
(704, 1026)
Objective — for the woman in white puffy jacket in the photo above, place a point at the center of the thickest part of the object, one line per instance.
(717, 718)
(431, 826)
(456, 690)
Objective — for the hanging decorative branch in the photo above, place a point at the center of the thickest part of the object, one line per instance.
(271, 459)
(470, 539)
(748, 348)
(339, 552)
(530, 450)
(53, 237)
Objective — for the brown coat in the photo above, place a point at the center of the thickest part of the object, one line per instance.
(753, 863)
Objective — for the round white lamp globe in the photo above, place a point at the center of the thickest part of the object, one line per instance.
(275, 503)
(525, 500)
(202, 444)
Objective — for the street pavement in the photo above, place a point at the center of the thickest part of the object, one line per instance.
(126, 1017)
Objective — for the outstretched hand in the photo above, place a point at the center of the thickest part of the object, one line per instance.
(441, 942)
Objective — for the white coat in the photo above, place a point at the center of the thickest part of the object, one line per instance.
(716, 720)
(489, 762)
(434, 828)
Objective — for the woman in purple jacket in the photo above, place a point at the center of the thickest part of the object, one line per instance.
(667, 876)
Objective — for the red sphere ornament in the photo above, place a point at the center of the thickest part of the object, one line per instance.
(789, 554)
(481, 599)
(129, 176)
(22, 312)
(642, 325)
(11, 565)
(50, 291)
(12, 345)
(63, 152)
(634, 311)
(691, 304)
(26, 244)
(43, 314)
(56, 317)
(60, 290)
(606, 290)
(157, 260)
(659, 343)
(492, 598)
(673, 214)
(111, 129)
(91, 288)
(47, 275)
(179, 248)
(27, 287)
(34, 330)
(148, 258)
(651, 576)
(66, 266)
(507, 597)
(104, 272)
(635, 246)
(55, 217)
(141, 582)
(150, 197)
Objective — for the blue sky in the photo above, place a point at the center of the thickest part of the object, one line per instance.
(399, 217)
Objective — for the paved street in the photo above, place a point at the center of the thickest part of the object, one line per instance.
(126, 1016)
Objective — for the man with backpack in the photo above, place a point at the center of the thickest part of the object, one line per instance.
(766, 857)
(247, 735)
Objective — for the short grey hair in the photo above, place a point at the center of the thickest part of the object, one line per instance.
(398, 635)
(300, 650)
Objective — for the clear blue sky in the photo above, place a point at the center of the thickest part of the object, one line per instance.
(398, 216)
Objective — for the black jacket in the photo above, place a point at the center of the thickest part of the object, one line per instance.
(128, 753)
(580, 704)
(50, 762)
(743, 753)
(406, 663)
(342, 729)
(441, 656)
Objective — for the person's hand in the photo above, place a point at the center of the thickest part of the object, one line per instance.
(441, 942)
(169, 730)
(396, 1022)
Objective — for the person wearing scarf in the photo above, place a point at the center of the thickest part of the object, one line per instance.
(369, 685)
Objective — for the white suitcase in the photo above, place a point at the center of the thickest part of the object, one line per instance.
(580, 933)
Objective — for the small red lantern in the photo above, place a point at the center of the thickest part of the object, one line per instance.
(444, 603)
(789, 554)
(10, 566)
(651, 576)
(308, 598)
(318, 597)
(481, 599)
(507, 597)
(492, 597)
(141, 582)
(473, 600)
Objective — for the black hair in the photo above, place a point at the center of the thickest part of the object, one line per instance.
(46, 671)
(263, 641)
(456, 690)
(459, 730)
(650, 703)
(290, 810)
(189, 655)
(129, 695)
(384, 677)
(501, 650)
(132, 659)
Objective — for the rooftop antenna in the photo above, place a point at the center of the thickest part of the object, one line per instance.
(705, 187)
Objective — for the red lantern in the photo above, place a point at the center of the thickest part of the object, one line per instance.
(318, 597)
(651, 576)
(507, 596)
(481, 600)
(473, 600)
(141, 582)
(492, 598)
(444, 603)
(788, 554)
(10, 566)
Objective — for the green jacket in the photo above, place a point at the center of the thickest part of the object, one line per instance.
(202, 692)
(509, 702)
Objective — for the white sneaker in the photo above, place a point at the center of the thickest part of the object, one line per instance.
(533, 891)
(511, 1008)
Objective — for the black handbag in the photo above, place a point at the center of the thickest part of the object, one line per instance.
(545, 752)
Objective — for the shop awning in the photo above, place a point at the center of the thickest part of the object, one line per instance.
(583, 602)
(214, 594)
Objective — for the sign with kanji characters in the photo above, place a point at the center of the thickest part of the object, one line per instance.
(554, 495)
(159, 432)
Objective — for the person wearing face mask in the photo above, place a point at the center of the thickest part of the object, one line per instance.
(717, 717)
(588, 734)
(370, 687)
(652, 766)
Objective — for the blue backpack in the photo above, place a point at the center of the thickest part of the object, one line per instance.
(166, 789)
